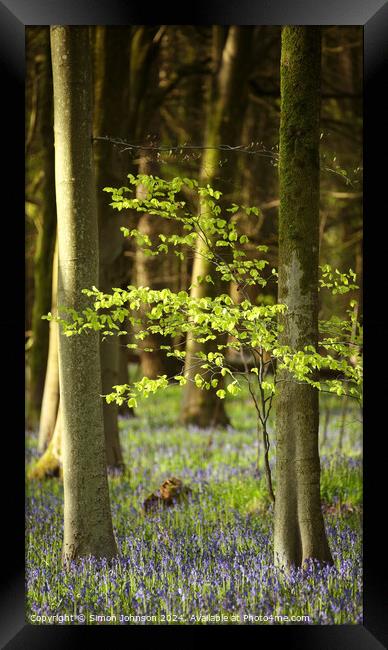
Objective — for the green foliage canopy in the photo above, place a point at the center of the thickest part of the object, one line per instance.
(215, 232)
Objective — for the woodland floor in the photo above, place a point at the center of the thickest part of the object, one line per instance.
(212, 556)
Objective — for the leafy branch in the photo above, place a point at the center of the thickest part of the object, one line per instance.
(250, 329)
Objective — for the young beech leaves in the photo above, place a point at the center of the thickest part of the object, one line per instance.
(250, 329)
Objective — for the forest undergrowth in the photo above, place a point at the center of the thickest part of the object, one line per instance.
(209, 557)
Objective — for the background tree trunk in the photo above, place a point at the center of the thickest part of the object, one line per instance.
(155, 272)
(227, 99)
(48, 415)
(110, 118)
(299, 526)
(123, 372)
(45, 242)
(49, 464)
(87, 516)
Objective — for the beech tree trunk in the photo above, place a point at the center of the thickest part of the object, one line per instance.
(49, 464)
(227, 102)
(48, 415)
(123, 374)
(87, 516)
(110, 118)
(299, 527)
(44, 245)
(155, 272)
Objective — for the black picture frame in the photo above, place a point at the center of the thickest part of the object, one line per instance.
(15, 633)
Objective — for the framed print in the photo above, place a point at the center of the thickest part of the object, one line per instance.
(196, 452)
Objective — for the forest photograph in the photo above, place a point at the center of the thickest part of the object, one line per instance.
(193, 325)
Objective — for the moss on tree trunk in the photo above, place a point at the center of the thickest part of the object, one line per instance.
(299, 526)
(87, 515)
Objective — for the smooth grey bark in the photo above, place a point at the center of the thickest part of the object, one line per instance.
(50, 401)
(299, 527)
(224, 122)
(87, 516)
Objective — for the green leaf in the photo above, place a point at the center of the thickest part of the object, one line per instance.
(182, 380)
(233, 389)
